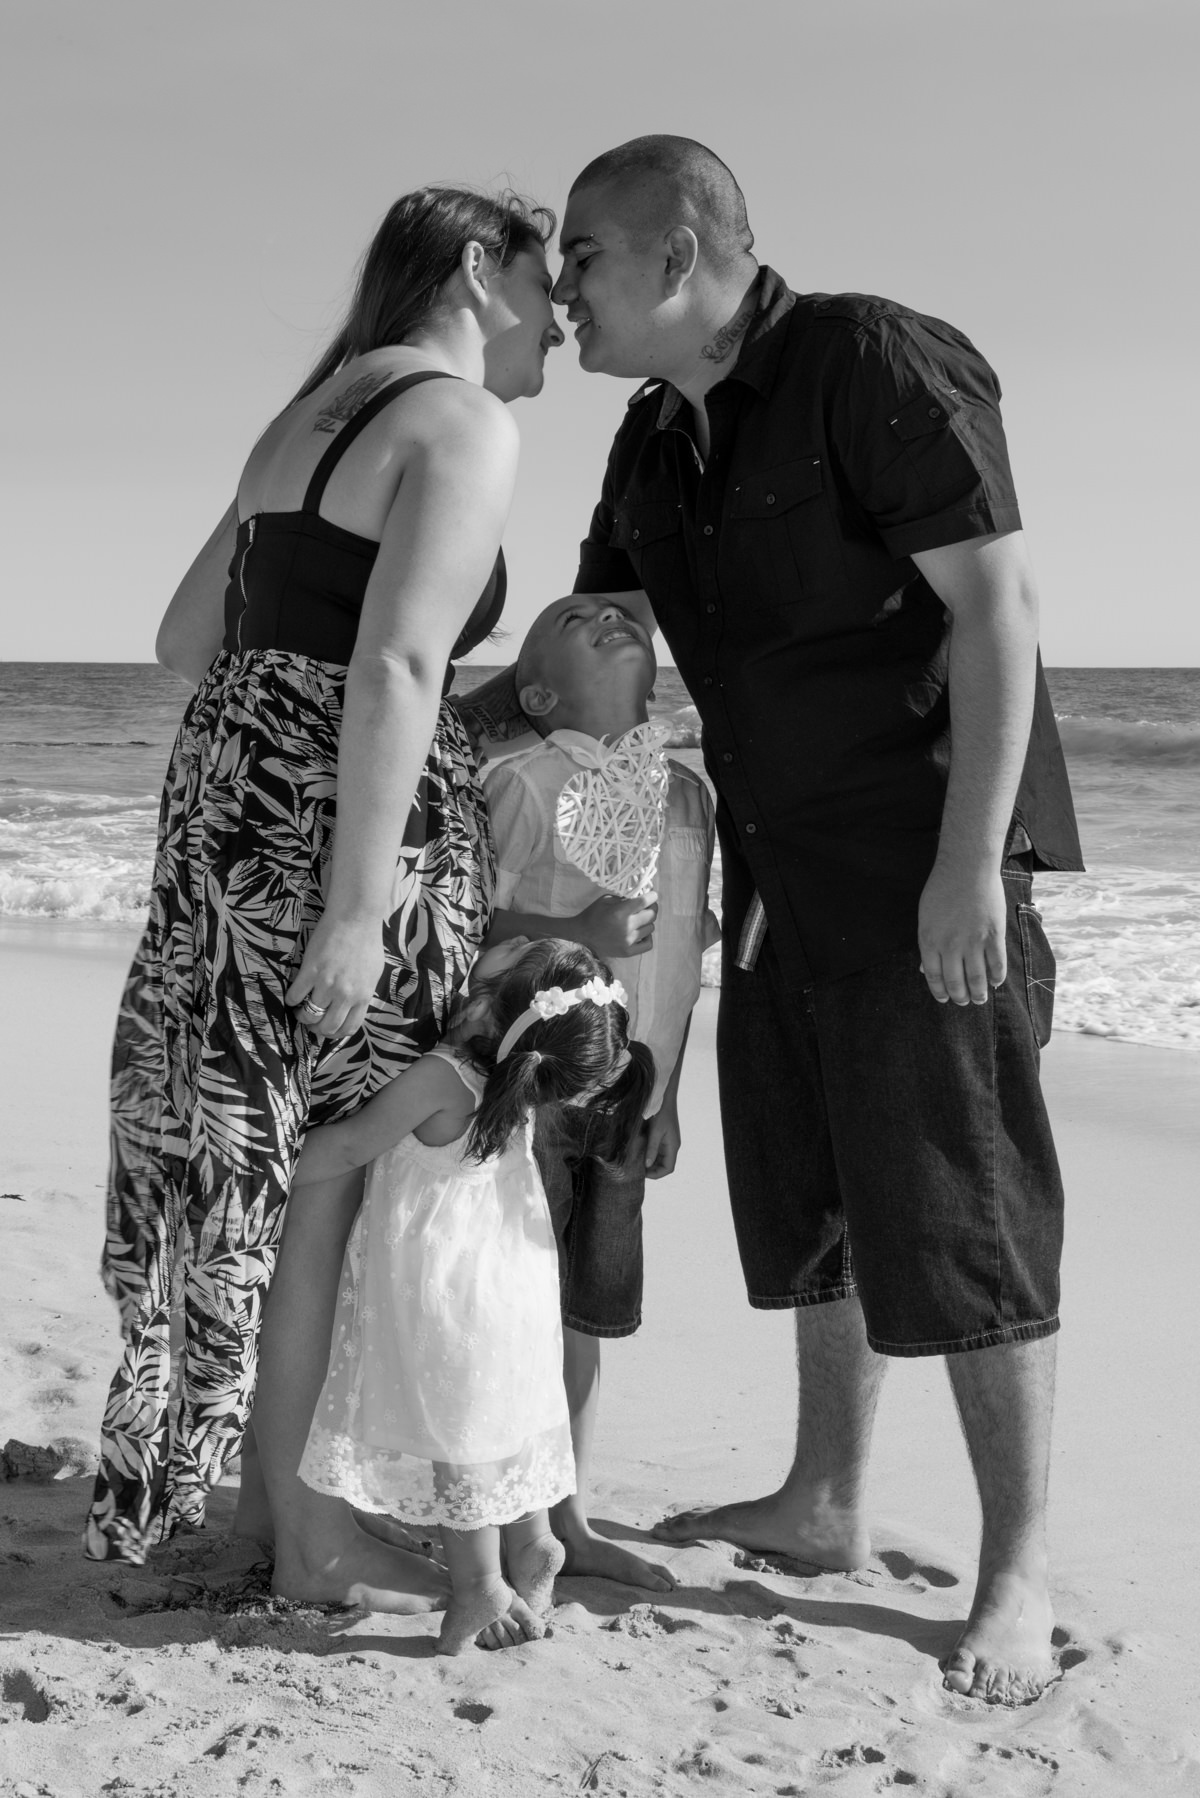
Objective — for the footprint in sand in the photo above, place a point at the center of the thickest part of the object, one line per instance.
(20, 1689)
(649, 1620)
(858, 1754)
(1068, 1654)
(469, 1710)
(903, 1567)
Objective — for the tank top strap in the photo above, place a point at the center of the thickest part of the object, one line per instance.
(362, 418)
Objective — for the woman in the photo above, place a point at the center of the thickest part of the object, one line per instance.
(362, 555)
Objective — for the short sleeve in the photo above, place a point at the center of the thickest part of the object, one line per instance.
(519, 827)
(918, 428)
(603, 569)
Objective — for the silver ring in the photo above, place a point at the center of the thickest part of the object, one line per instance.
(308, 1009)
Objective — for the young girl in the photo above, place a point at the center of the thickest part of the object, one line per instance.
(444, 1399)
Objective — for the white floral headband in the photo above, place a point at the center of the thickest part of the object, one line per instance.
(553, 1001)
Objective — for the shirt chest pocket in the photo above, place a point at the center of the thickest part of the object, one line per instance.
(686, 848)
(650, 535)
(781, 533)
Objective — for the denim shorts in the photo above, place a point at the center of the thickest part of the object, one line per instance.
(596, 1209)
(882, 1144)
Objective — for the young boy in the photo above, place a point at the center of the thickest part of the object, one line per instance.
(584, 673)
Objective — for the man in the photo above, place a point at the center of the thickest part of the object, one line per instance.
(813, 495)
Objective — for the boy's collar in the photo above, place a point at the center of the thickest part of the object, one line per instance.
(566, 738)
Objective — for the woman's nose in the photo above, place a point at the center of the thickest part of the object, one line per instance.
(555, 335)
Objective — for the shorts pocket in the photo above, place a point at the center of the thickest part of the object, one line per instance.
(1040, 972)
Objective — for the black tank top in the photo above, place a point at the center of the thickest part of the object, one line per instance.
(296, 582)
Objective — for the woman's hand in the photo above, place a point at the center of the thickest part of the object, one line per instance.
(338, 975)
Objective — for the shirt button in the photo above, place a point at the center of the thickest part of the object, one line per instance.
(751, 829)
(708, 530)
(710, 609)
(770, 499)
(708, 680)
(935, 411)
(728, 756)
(636, 535)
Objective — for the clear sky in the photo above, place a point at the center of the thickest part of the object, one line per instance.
(189, 187)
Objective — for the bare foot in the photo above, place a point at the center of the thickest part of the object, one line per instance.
(1003, 1656)
(531, 1567)
(253, 1520)
(588, 1553)
(491, 1612)
(827, 1535)
(359, 1570)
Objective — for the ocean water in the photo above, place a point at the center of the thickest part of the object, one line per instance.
(83, 747)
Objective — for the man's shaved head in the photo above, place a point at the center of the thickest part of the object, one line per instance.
(661, 181)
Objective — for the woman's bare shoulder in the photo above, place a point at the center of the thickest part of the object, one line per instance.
(449, 406)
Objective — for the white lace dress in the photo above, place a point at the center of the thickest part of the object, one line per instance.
(444, 1399)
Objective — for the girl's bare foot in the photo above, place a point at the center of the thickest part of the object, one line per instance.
(490, 1611)
(531, 1567)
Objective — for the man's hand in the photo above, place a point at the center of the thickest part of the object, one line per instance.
(987, 586)
(614, 928)
(960, 929)
(663, 1139)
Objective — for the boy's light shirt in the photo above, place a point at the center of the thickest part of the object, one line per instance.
(534, 875)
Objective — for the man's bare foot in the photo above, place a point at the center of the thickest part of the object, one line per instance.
(531, 1568)
(590, 1554)
(1003, 1656)
(356, 1569)
(826, 1535)
(491, 1612)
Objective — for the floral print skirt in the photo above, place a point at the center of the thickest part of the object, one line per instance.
(214, 1079)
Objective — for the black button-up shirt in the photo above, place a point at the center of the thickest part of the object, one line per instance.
(849, 434)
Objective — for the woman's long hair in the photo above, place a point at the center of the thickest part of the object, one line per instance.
(585, 1051)
(412, 256)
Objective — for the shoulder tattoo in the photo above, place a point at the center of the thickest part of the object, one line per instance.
(350, 400)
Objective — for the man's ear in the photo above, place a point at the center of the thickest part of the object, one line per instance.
(683, 253)
(537, 700)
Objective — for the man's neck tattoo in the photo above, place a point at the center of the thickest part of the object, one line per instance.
(729, 336)
(350, 400)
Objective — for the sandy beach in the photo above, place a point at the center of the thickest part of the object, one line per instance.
(755, 1676)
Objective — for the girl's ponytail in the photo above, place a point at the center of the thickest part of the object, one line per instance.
(511, 1093)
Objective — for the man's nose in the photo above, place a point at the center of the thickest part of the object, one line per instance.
(563, 291)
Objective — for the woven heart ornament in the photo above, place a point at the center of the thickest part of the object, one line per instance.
(611, 814)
